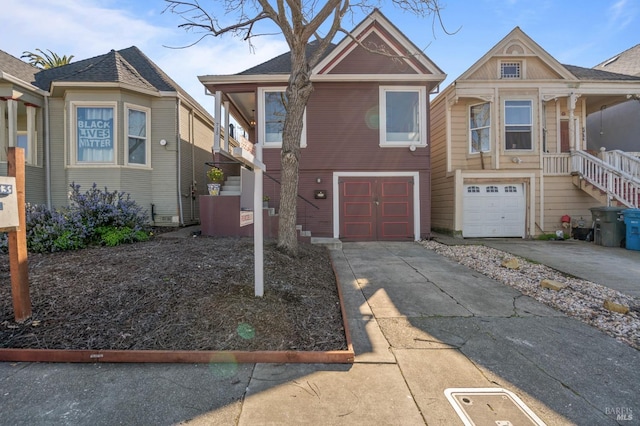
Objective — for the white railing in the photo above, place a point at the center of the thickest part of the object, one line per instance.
(619, 185)
(623, 161)
(556, 164)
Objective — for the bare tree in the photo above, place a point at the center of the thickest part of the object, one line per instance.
(299, 22)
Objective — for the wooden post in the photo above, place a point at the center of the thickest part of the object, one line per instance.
(18, 241)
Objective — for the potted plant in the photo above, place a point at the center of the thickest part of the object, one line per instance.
(216, 176)
(265, 202)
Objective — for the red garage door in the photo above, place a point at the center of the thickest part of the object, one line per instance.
(373, 209)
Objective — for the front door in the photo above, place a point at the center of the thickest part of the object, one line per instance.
(376, 208)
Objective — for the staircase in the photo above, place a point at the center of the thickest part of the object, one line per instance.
(615, 180)
(231, 186)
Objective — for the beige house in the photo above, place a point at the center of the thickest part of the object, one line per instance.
(508, 145)
(116, 120)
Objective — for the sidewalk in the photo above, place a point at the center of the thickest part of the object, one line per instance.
(420, 324)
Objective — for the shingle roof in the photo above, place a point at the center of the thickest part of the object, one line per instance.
(129, 66)
(110, 67)
(282, 64)
(627, 62)
(597, 74)
(17, 68)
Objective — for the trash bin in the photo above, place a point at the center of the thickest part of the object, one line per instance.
(632, 222)
(608, 226)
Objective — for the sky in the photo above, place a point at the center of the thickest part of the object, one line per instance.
(575, 32)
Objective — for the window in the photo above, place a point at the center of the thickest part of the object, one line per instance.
(272, 112)
(137, 136)
(517, 125)
(473, 189)
(28, 146)
(510, 188)
(94, 134)
(510, 70)
(492, 189)
(403, 116)
(480, 127)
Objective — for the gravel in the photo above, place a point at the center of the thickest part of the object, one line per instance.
(581, 299)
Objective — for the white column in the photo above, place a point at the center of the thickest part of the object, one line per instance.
(3, 133)
(226, 128)
(30, 155)
(217, 122)
(12, 113)
(571, 105)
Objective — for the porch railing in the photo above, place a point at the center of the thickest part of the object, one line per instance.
(625, 162)
(556, 164)
(617, 184)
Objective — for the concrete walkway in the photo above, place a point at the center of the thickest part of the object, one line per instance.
(420, 323)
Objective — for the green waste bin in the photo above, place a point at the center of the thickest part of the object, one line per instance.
(632, 222)
(608, 226)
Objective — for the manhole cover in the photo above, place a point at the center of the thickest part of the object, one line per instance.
(490, 407)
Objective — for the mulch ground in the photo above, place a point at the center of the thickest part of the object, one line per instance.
(194, 293)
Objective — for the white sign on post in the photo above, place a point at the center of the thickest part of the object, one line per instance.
(9, 219)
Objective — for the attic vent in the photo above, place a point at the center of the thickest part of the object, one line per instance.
(610, 61)
(510, 70)
(514, 49)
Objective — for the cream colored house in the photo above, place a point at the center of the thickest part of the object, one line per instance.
(508, 144)
(116, 120)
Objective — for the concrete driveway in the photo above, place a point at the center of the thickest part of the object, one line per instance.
(421, 324)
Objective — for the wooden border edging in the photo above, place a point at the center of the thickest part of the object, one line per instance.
(158, 356)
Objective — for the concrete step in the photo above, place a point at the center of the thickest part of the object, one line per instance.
(331, 243)
(224, 192)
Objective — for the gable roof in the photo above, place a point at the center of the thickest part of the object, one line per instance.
(518, 36)
(278, 68)
(390, 34)
(13, 66)
(627, 62)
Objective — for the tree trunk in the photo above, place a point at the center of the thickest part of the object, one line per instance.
(298, 93)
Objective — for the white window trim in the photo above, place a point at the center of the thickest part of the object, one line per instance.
(73, 134)
(261, 119)
(504, 126)
(422, 93)
(471, 152)
(147, 111)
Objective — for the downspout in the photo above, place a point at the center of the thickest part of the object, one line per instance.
(47, 152)
(179, 168)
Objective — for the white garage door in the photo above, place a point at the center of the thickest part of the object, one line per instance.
(494, 210)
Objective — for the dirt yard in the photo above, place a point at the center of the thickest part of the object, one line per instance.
(194, 293)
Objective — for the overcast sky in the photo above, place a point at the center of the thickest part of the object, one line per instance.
(576, 32)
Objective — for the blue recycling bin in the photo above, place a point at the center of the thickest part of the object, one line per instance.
(632, 221)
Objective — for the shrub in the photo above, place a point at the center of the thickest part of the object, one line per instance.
(94, 217)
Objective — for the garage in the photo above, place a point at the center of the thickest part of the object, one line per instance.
(376, 208)
(494, 210)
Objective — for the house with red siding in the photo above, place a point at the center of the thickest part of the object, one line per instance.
(365, 164)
